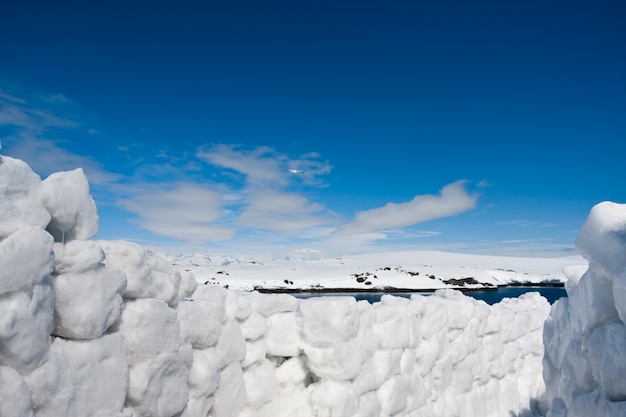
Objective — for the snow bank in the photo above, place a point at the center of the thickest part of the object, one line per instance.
(105, 328)
(585, 336)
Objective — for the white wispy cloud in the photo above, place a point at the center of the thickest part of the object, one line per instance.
(169, 194)
(46, 156)
(263, 166)
(188, 211)
(265, 176)
(34, 124)
(452, 200)
(283, 212)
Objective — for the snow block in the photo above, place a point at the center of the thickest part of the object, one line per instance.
(334, 399)
(81, 378)
(19, 197)
(619, 295)
(602, 238)
(203, 380)
(612, 367)
(591, 301)
(25, 259)
(87, 303)
(187, 285)
(260, 393)
(231, 396)
(254, 327)
(393, 394)
(26, 321)
(148, 274)
(157, 387)
(149, 327)
(14, 395)
(77, 256)
(200, 320)
(396, 329)
(328, 321)
(339, 362)
(66, 197)
(282, 337)
(231, 346)
(165, 279)
(268, 304)
(256, 352)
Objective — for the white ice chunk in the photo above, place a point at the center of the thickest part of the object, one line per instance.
(338, 362)
(26, 321)
(231, 396)
(396, 329)
(254, 327)
(256, 352)
(369, 405)
(81, 378)
(268, 304)
(14, 395)
(77, 256)
(148, 274)
(261, 383)
(602, 238)
(87, 303)
(612, 369)
(157, 386)
(165, 280)
(619, 295)
(25, 259)
(591, 301)
(231, 346)
(200, 320)
(66, 197)
(292, 373)
(203, 380)
(393, 394)
(334, 399)
(187, 285)
(19, 197)
(149, 327)
(327, 321)
(282, 337)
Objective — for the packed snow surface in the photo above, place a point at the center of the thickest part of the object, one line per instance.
(109, 328)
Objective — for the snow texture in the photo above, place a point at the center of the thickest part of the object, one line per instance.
(66, 197)
(585, 337)
(20, 205)
(110, 329)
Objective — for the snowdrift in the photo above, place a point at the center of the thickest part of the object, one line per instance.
(102, 328)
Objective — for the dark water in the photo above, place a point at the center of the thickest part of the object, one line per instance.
(490, 297)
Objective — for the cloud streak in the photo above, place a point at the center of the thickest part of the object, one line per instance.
(452, 200)
(188, 212)
(282, 212)
(264, 167)
(171, 194)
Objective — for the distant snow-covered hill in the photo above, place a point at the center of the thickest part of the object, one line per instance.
(404, 270)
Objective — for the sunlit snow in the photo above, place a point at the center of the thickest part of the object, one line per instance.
(110, 328)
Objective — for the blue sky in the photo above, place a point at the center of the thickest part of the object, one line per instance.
(487, 127)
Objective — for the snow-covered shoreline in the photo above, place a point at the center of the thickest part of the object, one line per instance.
(405, 271)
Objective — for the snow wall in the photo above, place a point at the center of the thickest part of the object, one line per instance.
(101, 328)
(585, 337)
